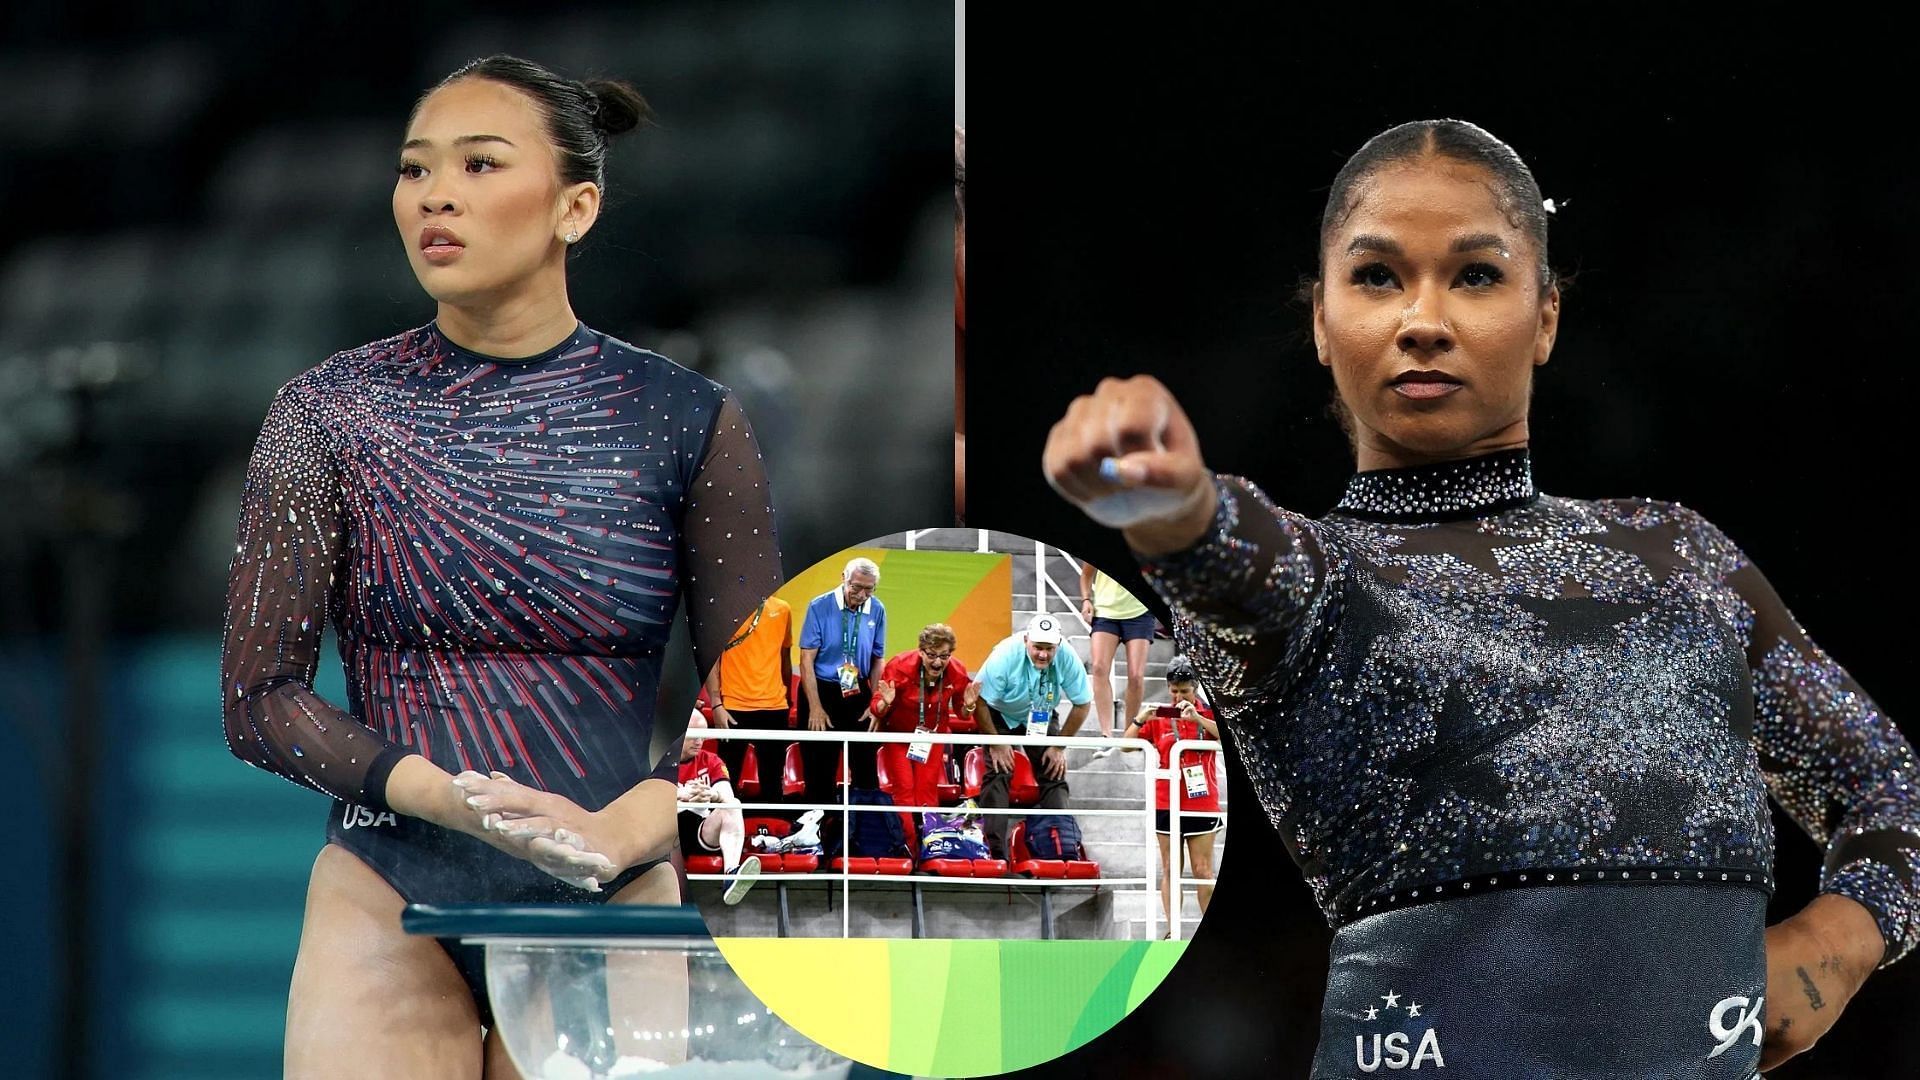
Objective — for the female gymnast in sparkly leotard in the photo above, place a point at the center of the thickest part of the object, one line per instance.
(1520, 745)
(499, 512)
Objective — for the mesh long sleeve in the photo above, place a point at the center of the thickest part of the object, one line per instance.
(729, 548)
(1831, 758)
(289, 551)
(1252, 598)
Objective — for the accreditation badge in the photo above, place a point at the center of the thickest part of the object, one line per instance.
(849, 680)
(1196, 776)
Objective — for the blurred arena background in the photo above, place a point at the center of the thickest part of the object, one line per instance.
(197, 210)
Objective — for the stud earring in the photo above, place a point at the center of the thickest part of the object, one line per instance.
(572, 235)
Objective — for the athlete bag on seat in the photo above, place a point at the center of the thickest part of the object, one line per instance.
(875, 835)
(1054, 836)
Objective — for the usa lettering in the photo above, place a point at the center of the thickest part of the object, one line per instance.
(356, 814)
(1391, 1051)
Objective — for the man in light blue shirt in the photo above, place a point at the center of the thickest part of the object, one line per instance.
(1023, 682)
(843, 641)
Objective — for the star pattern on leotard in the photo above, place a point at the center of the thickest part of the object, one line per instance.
(1451, 676)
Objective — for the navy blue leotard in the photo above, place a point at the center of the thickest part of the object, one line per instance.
(1521, 747)
(501, 546)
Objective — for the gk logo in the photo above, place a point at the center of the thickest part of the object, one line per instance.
(356, 814)
(1717, 1023)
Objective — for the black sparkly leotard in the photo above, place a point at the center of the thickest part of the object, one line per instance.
(501, 545)
(1453, 688)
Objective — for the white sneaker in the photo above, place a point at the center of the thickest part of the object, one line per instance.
(741, 879)
(1103, 751)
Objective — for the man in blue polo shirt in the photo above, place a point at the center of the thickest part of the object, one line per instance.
(1024, 680)
(843, 641)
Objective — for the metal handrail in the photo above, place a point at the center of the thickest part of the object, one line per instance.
(1176, 842)
(846, 807)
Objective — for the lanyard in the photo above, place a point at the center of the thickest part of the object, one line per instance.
(1045, 688)
(924, 692)
(849, 634)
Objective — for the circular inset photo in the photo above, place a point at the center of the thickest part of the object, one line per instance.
(952, 765)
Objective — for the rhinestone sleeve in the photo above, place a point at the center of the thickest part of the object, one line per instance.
(729, 549)
(1832, 759)
(289, 550)
(1252, 599)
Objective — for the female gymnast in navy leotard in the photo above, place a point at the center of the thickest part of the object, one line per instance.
(499, 512)
(1520, 745)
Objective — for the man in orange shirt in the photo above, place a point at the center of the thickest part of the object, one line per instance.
(748, 689)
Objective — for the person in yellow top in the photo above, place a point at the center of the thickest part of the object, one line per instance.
(748, 689)
(1115, 616)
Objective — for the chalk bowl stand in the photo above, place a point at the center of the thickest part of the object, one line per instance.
(599, 992)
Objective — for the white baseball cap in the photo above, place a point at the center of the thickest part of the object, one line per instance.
(1043, 629)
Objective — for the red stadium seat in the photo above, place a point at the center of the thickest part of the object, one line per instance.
(1022, 859)
(771, 826)
(1022, 790)
(749, 784)
(884, 772)
(1025, 789)
(769, 863)
(975, 868)
(794, 776)
(948, 790)
(948, 867)
(796, 695)
(1025, 863)
(974, 772)
(862, 865)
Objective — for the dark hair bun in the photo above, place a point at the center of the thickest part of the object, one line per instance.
(621, 106)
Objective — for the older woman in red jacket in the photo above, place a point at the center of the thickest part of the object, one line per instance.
(922, 689)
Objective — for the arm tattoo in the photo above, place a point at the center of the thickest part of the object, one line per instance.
(1812, 991)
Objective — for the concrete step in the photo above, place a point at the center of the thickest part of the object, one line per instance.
(1134, 904)
(1087, 786)
(1081, 759)
(1136, 929)
(1122, 858)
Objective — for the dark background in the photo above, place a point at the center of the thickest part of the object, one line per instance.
(194, 208)
(1147, 196)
